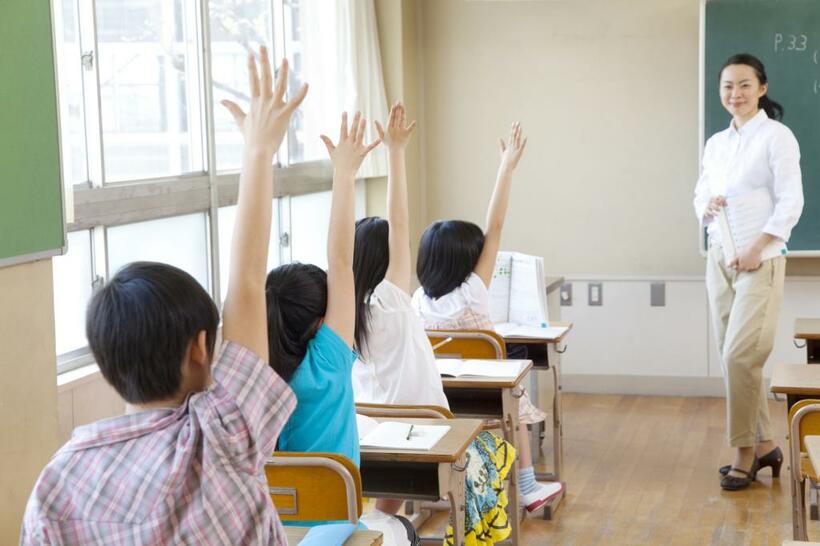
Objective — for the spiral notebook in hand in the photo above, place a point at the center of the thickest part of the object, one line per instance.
(742, 220)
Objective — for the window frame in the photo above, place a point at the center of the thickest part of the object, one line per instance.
(99, 205)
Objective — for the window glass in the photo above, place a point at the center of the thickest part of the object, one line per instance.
(70, 78)
(180, 241)
(237, 28)
(227, 219)
(150, 88)
(72, 289)
(309, 221)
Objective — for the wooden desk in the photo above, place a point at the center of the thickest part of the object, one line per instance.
(358, 538)
(493, 398)
(540, 350)
(809, 331)
(796, 381)
(424, 474)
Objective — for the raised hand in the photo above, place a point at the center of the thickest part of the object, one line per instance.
(265, 124)
(398, 133)
(513, 149)
(347, 155)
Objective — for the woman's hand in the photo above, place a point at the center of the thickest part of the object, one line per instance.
(748, 260)
(713, 207)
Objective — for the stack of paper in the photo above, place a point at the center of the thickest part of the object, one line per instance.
(517, 291)
(454, 367)
(742, 221)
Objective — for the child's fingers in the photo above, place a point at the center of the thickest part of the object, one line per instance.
(354, 127)
(294, 103)
(372, 145)
(362, 130)
(411, 126)
(267, 79)
(253, 76)
(391, 120)
(235, 111)
(343, 130)
(524, 144)
(282, 80)
(328, 144)
(379, 129)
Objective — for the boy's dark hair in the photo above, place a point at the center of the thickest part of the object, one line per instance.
(371, 256)
(296, 296)
(140, 324)
(773, 109)
(448, 253)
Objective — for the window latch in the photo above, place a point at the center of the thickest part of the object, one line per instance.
(284, 240)
(97, 283)
(88, 60)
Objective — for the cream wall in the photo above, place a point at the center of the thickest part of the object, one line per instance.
(607, 91)
(28, 390)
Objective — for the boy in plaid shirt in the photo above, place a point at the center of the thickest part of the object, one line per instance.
(187, 466)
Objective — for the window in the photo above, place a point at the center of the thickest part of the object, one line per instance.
(150, 157)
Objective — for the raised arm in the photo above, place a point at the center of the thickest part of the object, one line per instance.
(511, 152)
(347, 156)
(244, 318)
(396, 137)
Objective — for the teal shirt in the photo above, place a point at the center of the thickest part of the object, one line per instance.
(325, 415)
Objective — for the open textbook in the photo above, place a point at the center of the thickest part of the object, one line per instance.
(742, 220)
(455, 367)
(518, 294)
(395, 435)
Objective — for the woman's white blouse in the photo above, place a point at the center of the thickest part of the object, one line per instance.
(398, 365)
(762, 156)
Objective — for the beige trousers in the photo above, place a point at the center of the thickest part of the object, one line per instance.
(744, 308)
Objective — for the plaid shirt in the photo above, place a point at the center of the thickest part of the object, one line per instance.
(190, 475)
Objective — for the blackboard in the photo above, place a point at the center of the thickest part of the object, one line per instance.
(785, 35)
(31, 207)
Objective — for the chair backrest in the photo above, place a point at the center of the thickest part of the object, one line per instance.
(314, 486)
(484, 344)
(393, 410)
(807, 422)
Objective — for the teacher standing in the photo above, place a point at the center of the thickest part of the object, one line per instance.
(755, 160)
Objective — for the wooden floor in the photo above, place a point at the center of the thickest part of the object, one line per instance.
(643, 470)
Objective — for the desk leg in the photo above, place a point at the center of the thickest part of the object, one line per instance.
(451, 479)
(511, 426)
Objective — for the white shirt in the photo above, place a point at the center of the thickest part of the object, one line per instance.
(762, 156)
(465, 308)
(397, 365)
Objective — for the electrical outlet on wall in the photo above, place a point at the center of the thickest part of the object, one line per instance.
(566, 294)
(595, 294)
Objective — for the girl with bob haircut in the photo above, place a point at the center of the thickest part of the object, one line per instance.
(396, 364)
(455, 267)
(755, 160)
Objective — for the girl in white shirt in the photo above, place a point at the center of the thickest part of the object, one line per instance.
(455, 266)
(752, 168)
(396, 363)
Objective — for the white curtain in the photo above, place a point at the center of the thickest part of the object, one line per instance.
(341, 61)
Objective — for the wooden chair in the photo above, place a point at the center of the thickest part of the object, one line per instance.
(484, 344)
(391, 410)
(804, 420)
(314, 486)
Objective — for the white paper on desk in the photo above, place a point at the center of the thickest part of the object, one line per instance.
(512, 330)
(365, 424)
(393, 435)
(455, 367)
(742, 221)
